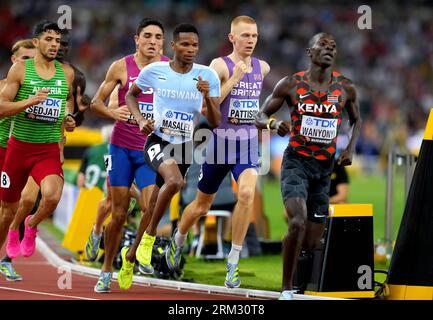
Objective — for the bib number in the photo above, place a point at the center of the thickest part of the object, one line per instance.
(319, 130)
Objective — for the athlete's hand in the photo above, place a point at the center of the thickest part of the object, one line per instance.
(282, 127)
(203, 86)
(83, 101)
(239, 70)
(40, 96)
(147, 126)
(70, 123)
(345, 158)
(121, 113)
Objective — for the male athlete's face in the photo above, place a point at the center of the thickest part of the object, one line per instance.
(186, 47)
(48, 44)
(150, 41)
(323, 52)
(244, 38)
(64, 46)
(23, 54)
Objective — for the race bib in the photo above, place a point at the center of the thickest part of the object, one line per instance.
(319, 130)
(146, 110)
(177, 123)
(47, 111)
(243, 111)
(108, 162)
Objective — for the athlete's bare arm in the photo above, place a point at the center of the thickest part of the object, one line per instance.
(146, 126)
(69, 122)
(352, 108)
(14, 80)
(273, 103)
(213, 113)
(264, 66)
(112, 78)
(227, 83)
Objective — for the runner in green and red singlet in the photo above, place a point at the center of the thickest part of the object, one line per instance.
(37, 91)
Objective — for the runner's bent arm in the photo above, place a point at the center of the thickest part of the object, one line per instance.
(272, 104)
(146, 126)
(104, 91)
(9, 107)
(227, 83)
(352, 108)
(69, 121)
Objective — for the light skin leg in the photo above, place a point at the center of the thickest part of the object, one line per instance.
(27, 202)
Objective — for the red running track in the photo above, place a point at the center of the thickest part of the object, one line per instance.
(40, 280)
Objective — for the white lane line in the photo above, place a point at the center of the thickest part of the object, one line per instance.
(46, 293)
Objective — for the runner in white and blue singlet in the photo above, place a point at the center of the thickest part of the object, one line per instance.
(180, 88)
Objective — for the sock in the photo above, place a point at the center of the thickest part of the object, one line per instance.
(234, 254)
(180, 239)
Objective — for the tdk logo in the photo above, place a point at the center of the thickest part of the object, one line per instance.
(52, 103)
(179, 115)
(146, 107)
(323, 123)
(245, 104)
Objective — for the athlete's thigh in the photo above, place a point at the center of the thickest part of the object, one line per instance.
(294, 179)
(144, 175)
(120, 170)
(211, 177)
(52, 186)
(318, 199)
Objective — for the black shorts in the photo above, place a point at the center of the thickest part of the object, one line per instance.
(157, 150)
(307, 178)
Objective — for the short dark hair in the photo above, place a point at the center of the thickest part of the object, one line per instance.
(149, 22)
(317, 37)
(183, 27)
(43, 26)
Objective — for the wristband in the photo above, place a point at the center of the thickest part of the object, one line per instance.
(269, 124)
(70, 115)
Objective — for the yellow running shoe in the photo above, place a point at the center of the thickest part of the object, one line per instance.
(144, 253)
(126, 271)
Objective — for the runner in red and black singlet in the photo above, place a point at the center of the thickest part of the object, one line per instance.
(317, 97)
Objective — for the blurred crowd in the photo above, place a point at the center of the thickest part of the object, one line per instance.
(391, 64)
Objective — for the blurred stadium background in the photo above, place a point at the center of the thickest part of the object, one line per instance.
(391, 65)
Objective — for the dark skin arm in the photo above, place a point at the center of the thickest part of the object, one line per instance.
(273, 103)
(146, 126)
(82, 101)
(213, 113)
(352, 108)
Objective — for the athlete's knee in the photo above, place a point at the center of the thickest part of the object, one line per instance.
(201, 209)
(105, 204)
(297, 224)
(246, 195)
(174, 184)
(50, 199)
(27, 202)
(118, 219)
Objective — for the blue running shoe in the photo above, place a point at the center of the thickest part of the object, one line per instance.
(104, 282)
(233, 279)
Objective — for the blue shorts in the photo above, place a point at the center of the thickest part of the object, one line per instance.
(223, 156)
(127, 164)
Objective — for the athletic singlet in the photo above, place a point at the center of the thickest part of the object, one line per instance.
(177, 102)
(316, 115)
(239, 108)
(127, 134)
(41, 123)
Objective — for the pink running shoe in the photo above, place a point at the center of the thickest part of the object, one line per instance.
(13, 245)
(28, 245)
